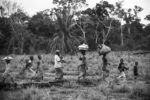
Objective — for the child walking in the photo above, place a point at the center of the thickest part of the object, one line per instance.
(28, 65)
(122, 68)
(135, 70)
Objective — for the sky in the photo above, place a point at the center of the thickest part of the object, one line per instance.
(34, 6)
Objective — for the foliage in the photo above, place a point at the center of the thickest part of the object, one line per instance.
(67, 24)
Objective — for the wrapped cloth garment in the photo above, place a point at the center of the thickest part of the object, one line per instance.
(83, 47)
(82, 67)
(58, 67)
(59, 73)
(7, 73)
(39, 71)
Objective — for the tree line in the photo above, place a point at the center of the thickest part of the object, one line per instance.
(66, 25)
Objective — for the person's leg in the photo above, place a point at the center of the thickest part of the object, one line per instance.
(56, 73)
(80, 72)
(84, 73)
(4, 77)
(61, 74)
(121, 75)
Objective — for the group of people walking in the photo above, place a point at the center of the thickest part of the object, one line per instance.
(58, 60)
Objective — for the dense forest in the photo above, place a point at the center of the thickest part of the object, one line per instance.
(67, 24)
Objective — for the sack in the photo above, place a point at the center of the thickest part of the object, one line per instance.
(83, 47)
(103, 49)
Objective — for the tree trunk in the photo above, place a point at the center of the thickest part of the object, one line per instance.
(105, 36)
(22, 46)
(122, 43)
(129, 31)
(96, 33)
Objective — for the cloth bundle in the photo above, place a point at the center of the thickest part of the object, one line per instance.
(83, 47)
(103, 49)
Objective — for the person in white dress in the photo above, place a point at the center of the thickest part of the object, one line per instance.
(58, 59)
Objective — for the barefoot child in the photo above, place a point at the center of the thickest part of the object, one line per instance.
(122, 68)
(135, 70)
(28, 65)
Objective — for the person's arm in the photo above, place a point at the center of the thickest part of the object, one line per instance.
(32, 71)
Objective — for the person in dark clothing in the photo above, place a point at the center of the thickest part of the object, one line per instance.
(135, 70)
(122, 68)
(28, 65)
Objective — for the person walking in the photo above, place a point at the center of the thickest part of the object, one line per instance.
(27, 67)
(135, 70)
(104, 50)
(7, 72)
(122, 69)
(39, 70)
(83, 65)
(58, 65)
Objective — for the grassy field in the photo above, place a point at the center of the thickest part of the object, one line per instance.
(101, 90)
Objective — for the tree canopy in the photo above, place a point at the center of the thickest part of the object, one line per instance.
(66, 25)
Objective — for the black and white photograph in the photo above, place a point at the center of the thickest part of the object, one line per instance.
(74, 49)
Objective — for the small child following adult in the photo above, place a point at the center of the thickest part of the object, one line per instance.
(7, 73)
(135, 70)
(27, 67)
(122, 69)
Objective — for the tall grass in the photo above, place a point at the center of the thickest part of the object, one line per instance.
(104, 90)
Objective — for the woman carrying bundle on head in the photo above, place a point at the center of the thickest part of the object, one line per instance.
(104, 50)
(83, 66)
(7, 72)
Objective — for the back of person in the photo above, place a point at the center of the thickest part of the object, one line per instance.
(58, 63)
(135, 69)
(28, 63)
(121, 67)
(39, 67)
